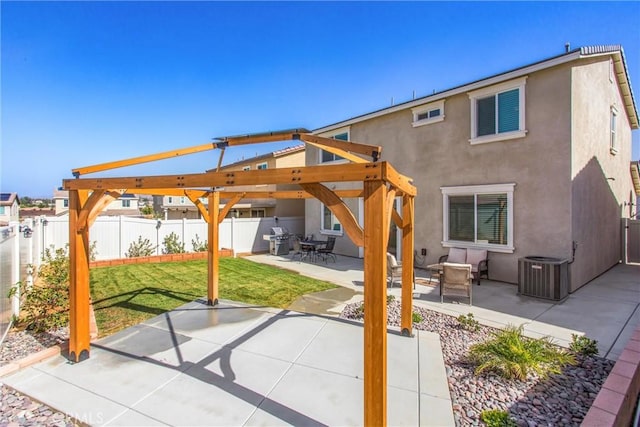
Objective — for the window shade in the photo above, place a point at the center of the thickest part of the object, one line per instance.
(508, 111)
(461, 218)
(492, 218)
(486, 112)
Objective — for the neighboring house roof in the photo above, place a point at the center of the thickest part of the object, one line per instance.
(615, 51)
(7, 199)
(635, 176)
(274, 154)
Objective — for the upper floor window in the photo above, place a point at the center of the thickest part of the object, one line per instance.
(65, 203)
(326, 156)
(478, 216)
(126, 203)
(1, 210)
(613, 142)
(498, 112)
(261, 166)
(182, 200)
(169, 200)
(427, 114)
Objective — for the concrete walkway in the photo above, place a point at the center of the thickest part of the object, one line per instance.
(606, 309)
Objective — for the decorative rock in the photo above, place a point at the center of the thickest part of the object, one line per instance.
(559, 400)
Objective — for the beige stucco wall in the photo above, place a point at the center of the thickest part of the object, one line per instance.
(440, 154)
(597, 201)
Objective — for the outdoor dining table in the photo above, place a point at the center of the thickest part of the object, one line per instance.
(314, 245)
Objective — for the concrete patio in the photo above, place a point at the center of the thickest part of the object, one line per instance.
(236, 365)
(244, 365)
(606, 309)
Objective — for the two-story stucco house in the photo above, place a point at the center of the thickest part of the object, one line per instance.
(533, 161)
(177, 207)
(125, 205)
(9, 207)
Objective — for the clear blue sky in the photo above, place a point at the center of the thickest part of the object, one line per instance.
(89, 82)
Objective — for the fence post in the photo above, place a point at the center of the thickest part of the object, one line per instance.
(120, 236)
(184, 224)
(29, 242)
(15, 268)
(233, 243)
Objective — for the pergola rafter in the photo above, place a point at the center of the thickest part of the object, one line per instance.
(380, 185)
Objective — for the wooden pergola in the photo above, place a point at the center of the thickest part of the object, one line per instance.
(381, 184)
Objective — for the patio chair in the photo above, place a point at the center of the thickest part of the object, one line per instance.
(394, 269)
(456, 280)
(297, 249)
(476, 257)
(327, 251)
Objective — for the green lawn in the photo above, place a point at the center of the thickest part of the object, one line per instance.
(129, 294)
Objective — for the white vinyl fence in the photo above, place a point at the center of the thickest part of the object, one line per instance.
(21, 251)
(114, 235)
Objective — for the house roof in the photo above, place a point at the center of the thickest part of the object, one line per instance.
(615, 51)
(277, 153)
(635, 176)
(7, 199)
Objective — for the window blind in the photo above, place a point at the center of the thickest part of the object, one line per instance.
(508, 111)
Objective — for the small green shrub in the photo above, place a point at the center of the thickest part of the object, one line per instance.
(416, 317)
(199, 246)
(497, 418)
(141, 247)
(468, 322)
(46, 306)
(512, 355)
(172, 244)
(583, 345)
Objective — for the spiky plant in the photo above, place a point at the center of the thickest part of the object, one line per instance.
(512, 355)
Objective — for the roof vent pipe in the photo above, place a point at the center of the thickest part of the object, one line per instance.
(567, 47)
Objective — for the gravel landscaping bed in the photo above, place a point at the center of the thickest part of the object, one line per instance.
(559, 400)
(17, 409)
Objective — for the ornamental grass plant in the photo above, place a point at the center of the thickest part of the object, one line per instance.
(514, 356)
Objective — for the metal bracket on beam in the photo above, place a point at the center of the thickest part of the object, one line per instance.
(221, 145)
(76, 174)
(375, 155)
(295, 137)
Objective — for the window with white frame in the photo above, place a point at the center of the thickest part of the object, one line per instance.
(169, 200)
(325, 156)
(126, 203)
(329, 223)
(498, 112)
(1, 210)
(260, 166)
(478, 216)
(257, 213)
(613, 143)
(182, 200)
(65, 203)
(247, 168)
(428, 114)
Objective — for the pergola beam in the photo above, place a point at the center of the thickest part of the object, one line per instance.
(142, 159)
(227, 206)
(406, 308)
(299, 175)
(213, 255)
(228, 195)
(339, 209)
(372, 151)
(194, 196)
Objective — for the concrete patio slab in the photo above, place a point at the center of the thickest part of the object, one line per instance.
(605, 309)
(263, 368)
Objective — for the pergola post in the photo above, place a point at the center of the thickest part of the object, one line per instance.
(375, 304)
(213, 254)
(406, 319)
(79, 334)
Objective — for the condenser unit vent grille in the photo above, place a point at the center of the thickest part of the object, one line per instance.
(543, 277)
